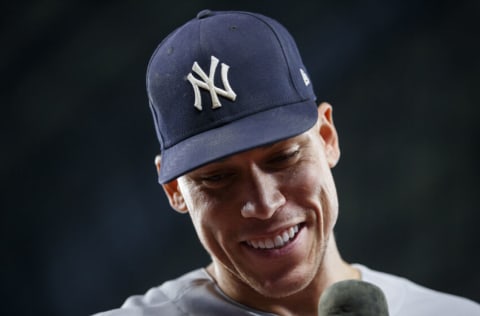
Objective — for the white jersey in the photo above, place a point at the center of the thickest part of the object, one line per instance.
(196, 293)
(407, 298)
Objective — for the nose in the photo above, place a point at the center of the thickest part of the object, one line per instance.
(263, 194)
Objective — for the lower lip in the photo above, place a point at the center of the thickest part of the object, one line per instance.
(276, 252)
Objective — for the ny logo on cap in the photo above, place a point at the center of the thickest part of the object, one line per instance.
(208, 84)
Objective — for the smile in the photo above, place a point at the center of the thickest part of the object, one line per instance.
(278, 241)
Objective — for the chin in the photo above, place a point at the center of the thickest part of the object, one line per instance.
(283, 286)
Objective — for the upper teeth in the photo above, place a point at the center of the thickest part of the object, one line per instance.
(275, 242)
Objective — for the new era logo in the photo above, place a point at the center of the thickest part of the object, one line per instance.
(208, 84)
(305, 78)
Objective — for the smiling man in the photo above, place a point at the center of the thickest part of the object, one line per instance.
(266, 216)
(247, 153)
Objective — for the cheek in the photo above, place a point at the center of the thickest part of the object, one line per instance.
(305, 181)
(315, 186)
(198, 210)
(330, 206)
(208, 221)
(205, 229)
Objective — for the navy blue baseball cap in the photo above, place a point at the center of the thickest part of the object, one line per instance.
(223, 83)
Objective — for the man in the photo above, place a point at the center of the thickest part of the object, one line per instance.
(247, 153)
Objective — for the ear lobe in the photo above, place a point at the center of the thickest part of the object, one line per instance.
(328, 133)
(174, 195)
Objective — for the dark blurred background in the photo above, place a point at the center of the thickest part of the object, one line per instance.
(84, 223)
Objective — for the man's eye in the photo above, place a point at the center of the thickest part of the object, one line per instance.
(215, 180)
(285, 157)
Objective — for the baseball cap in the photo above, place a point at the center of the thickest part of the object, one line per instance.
(226, 82)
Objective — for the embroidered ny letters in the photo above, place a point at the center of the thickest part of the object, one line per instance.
(208, 84)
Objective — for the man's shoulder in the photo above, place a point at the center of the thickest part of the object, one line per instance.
(405, 297)
(166, 299)
(194, 292)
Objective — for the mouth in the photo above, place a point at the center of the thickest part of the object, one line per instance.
(277, 241)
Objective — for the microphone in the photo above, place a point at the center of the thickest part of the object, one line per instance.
(353, 298)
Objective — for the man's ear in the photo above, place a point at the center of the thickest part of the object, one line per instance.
(174, 195)
(328, 133)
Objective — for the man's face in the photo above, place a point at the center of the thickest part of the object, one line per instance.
(265, 215)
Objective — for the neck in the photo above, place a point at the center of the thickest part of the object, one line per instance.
(333, 269)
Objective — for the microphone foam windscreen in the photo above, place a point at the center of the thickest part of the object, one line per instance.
(353, 298)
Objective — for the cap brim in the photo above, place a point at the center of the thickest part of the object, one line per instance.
(249, 132)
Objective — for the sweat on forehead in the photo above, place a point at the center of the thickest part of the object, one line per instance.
(226, 82)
